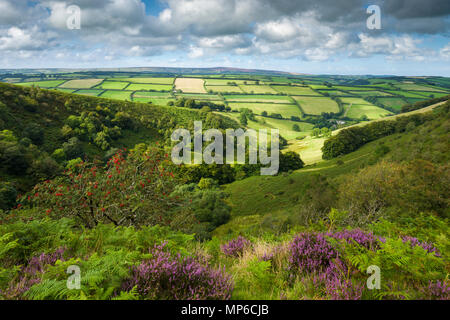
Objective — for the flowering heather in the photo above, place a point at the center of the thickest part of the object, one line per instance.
(339, 285)
(365, 239)
(310, 252)
(31, 273)
(437, 291)
(166, 276)
(429, 247)
(235, 247)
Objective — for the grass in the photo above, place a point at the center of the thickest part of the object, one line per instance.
(357, 107)
(286, 110)
(116, 85)
(316, 105)
(42, 84)
(309, 148)
(119, 95)
(370, 93)
(190, 85)
(258, 98)
(157, 95)
(81, 83)
(212, 97)
(395, 103)
(258, 89)
(224, 82)
(89, 92)
(148, 87)
(417, 87)
(407, 94)
(224, 89)
(149, 80)
(156, 101)
(296, 90)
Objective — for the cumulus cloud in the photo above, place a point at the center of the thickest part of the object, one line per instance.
(305, 29)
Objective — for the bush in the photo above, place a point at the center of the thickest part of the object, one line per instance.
(165, 276)
(236, 247)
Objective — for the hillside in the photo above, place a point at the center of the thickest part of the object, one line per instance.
(87, 182)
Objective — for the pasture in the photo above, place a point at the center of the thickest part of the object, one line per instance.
(149, 87)
(316, 105)
(356, 108)
(42, 84)
(258, 89)
(154, 80)
(119, 95)
(224, 89)
(258, 98)
(286, 110)
(296, 90)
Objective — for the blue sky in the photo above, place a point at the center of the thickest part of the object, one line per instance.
(302, 36)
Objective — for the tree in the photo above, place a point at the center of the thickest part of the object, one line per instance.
(34, 132)
(132, 190)
(295, 127)
(264, 113)
(290, 161)
(243, 119)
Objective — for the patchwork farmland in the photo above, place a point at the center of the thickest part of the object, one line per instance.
(293, 104)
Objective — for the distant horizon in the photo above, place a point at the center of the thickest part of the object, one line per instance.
(355, 37)
(111, 69)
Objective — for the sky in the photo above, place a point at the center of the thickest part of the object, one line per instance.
(301, 36)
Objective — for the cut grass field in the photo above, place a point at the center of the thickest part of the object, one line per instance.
(286, 110)
(258, 98)
(296, 90)
(190, 85)
(258, 89)
(81, 83)
(42, 84)
(149, 87)
(316, 105)
(119, 95)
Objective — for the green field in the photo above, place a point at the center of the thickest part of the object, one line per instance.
(159, 102)
(296, 90)
(116, 85)
(258, 98)
(258, 89)
(356, 108)
(395, 103)
(370, 93)
(119, 95)
(149, 87)
(148, 80)
(222, 89)
(286, 110)
(89, 92)
(416, 87)
(225, 82)
(43, 84)
(317, 105)
(152, 94)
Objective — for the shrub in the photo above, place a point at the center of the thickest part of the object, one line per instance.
(236, 247)
(168, 276)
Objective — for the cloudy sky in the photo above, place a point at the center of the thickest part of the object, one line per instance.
(304, 36)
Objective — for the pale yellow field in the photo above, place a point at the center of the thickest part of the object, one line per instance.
(81, 83)
(190, 85)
